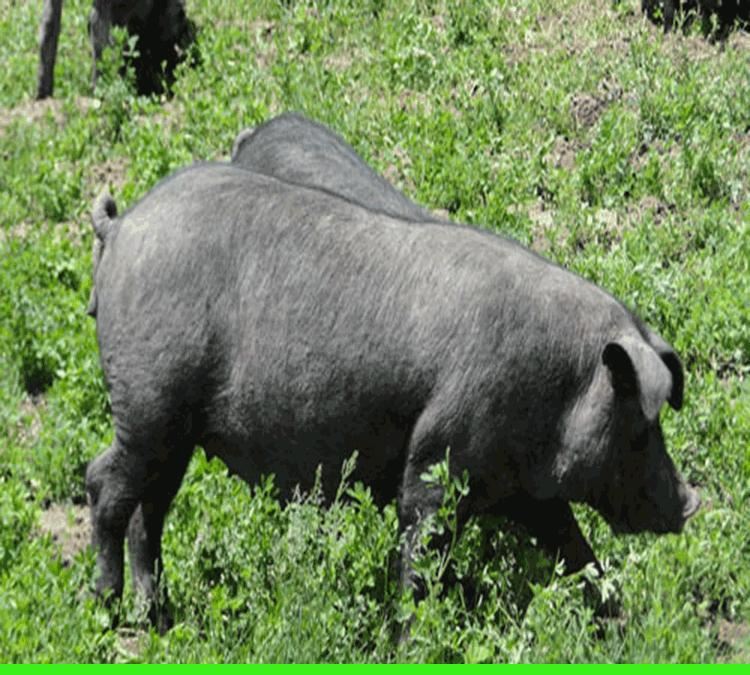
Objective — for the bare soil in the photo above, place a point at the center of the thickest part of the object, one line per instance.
(131, 642)
(32, 408)
(735, 639)
(111, 173)
(70, 528)
(33, 111)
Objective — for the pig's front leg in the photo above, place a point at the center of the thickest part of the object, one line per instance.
(554, 526)
(100, 24)
(49, 31)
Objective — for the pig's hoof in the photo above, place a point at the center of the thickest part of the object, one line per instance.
(110, 608)
(162, 620)
(611, 608)
(156, 614)
(604, 607)
(608, 613)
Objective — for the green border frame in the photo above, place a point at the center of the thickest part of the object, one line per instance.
(320, 669)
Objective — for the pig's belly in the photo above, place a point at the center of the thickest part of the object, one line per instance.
(294, 455)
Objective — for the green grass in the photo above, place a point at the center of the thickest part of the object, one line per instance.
(616, 151)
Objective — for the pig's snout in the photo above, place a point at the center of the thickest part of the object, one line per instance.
(691, 501)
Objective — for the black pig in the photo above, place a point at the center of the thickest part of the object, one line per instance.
(299, 150)
(164, 32)
(282, 328)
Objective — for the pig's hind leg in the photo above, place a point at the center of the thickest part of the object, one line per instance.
(130, 472)
(145, 531)
(114, 483)
(417, 499)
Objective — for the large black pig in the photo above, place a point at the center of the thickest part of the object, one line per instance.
(282, 328)
(299, 150)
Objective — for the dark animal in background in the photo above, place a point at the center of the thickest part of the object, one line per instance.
(725, 13)
(282, 327)
(49, 32)
(299, 150)
(162, 27)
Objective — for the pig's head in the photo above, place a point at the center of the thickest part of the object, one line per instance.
(613, 454)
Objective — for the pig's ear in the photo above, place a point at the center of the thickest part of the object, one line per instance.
(638, 371)
(671, 361)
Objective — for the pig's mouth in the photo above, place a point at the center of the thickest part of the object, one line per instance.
(625, 524)
(648, 516)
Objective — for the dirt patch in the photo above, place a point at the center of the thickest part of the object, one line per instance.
(565, 32)
(69, 527)
(262, 28)
(30, 425)
(341, 61)
(438, 23)
(586, 110)
(543, 222)
(563, 153)
(604, 227)
(32, 112)
(546, 232)
(265, 45)
(734, 641)
(111, 174)
(19, 231)
(689, 49)
(169, 116)
(397, 173)
(131, 643)
(85, 103)
(73, 231)
(658, 210)
(739, 41)
(562, 24)
(609, 226)
(640, 158)
(559, 33)
(414, 102)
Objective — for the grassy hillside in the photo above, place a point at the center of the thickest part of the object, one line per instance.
(584, 133)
